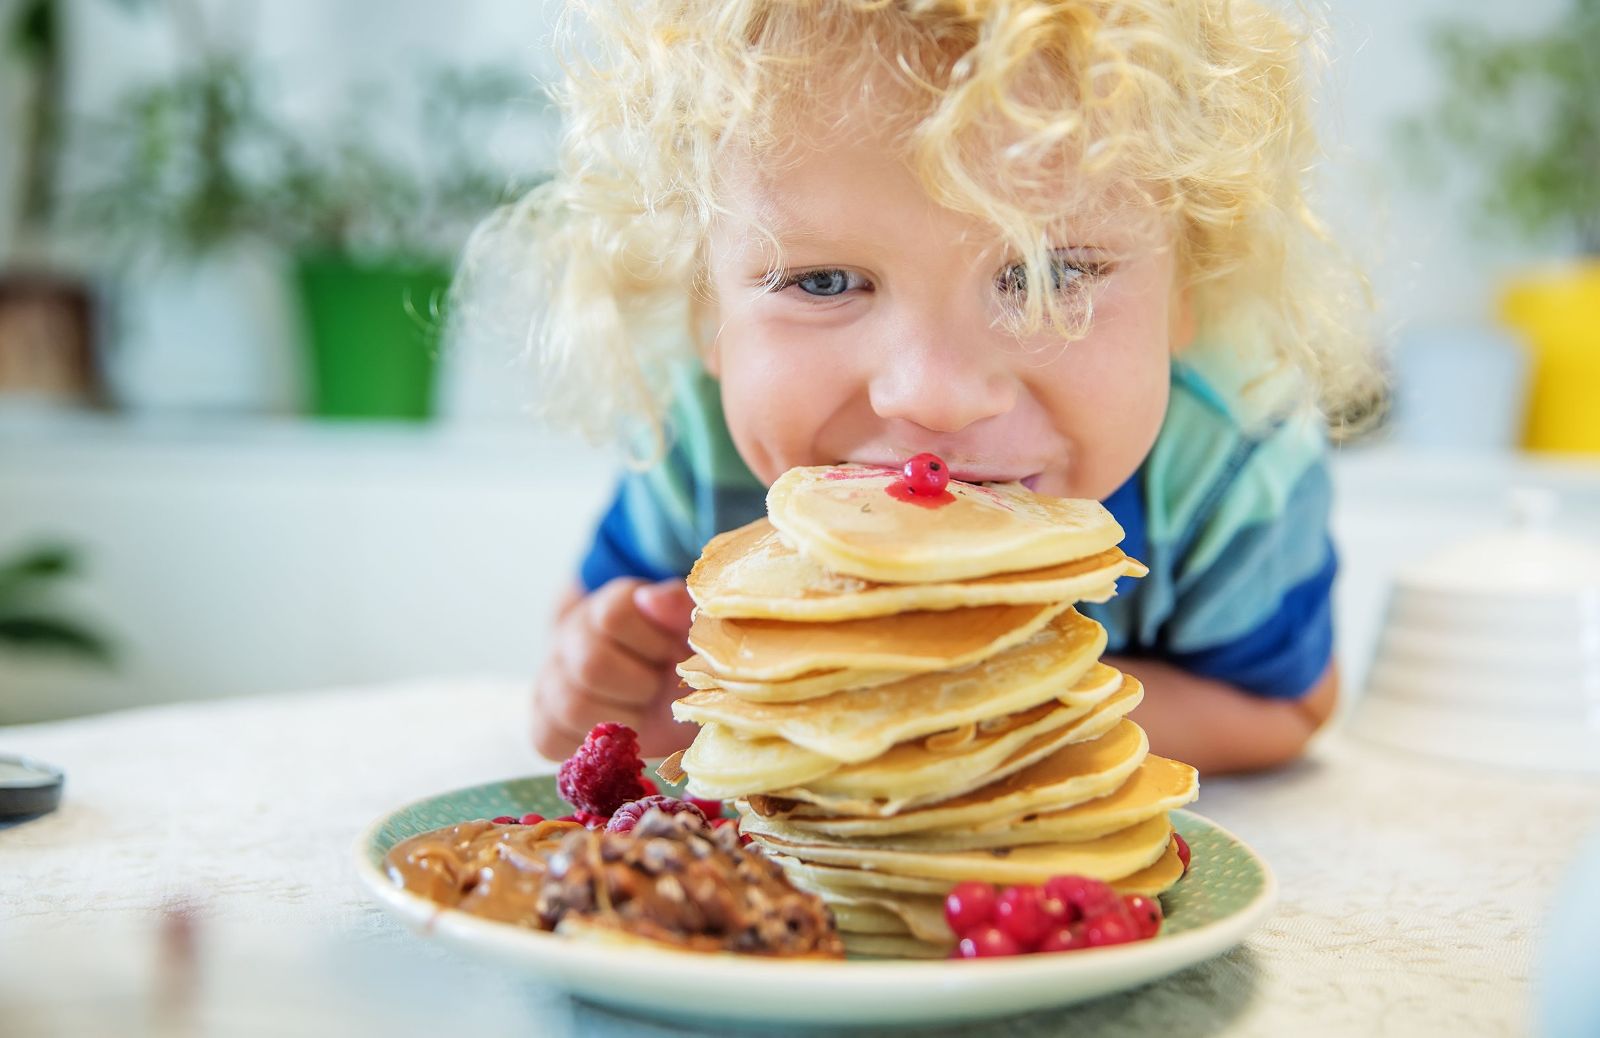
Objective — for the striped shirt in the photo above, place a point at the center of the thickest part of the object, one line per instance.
(1230, 516)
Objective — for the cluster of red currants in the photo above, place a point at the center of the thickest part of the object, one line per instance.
(1064, 914)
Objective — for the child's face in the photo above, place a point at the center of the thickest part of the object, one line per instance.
(885, 340)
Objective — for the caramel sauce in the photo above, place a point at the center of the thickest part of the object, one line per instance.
(671, 880)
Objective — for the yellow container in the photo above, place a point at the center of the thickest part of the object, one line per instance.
(1558, 312)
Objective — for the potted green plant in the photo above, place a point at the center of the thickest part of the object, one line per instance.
(168, 196)
(1527, 109)
(195, 166)
(374, 236)
(29, 621)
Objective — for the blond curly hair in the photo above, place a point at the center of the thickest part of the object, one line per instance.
(1199, 105)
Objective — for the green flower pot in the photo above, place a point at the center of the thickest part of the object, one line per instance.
(372, 333)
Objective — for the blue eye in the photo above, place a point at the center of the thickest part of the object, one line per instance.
(1064, 273)
(824, 282)
(821, 283)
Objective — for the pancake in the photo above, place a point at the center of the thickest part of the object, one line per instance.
(916, 915)
(936, 781)
(1157, 786)
(921, 897)
(859, 725)
(886, 946)
(866, 918)
(822, 878)
(1070, 776)
(1153, 879)
(721, 764)
(936, 767)
(751, 573)
(914, 643)
(845, 519)
(1108, 857)
(697, 674)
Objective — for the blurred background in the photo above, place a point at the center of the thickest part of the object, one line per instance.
(240, 452)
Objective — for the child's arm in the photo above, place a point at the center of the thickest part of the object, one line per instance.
(1217, 727)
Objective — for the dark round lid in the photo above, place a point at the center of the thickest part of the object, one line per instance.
(28, 787)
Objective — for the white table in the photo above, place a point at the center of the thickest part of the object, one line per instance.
(1413, 893)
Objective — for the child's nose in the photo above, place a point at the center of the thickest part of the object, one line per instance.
(941, 384)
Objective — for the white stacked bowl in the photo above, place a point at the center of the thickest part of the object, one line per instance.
(1490, 651)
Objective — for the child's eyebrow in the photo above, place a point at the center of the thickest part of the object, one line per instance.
(802, 234)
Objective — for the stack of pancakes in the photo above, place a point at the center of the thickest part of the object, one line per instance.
(897, 694)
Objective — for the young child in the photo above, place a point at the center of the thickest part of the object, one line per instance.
(1062, 242)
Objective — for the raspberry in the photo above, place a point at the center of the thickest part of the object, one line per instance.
(503, 820)
(532, 819)
(628, 815)
(604, 773)
(968, 906)
(926, 474)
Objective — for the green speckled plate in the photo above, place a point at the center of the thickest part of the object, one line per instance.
(1227, 893)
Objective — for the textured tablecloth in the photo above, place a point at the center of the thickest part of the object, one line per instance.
(1413, 893)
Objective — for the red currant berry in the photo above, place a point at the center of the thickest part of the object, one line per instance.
(1107, 928)
(1063, 938)
(926, 474)
(1082, 896)
(531, 819)
(1145, 913)
(1056, 911)
(968, 906)
(503, 820)
(987, 942)
(710, 808)
(1183, 851)
(1017, 912)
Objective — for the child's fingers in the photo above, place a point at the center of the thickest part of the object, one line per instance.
(606, 670)
(550, 740)
(667, 605)
(572, 710)
(611, 612)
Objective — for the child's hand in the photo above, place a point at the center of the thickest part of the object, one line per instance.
(613, 658)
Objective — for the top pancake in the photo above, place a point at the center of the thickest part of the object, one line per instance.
(751, 573)
(845, 519)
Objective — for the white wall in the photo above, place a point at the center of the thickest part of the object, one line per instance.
(227, 560)
(1431, 263)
